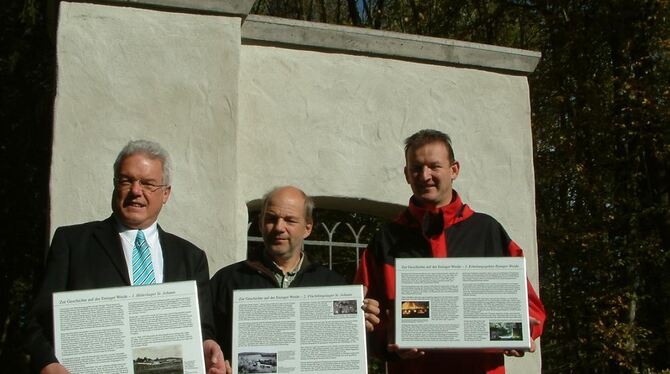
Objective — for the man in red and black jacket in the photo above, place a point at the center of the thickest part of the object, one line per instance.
(436, 224)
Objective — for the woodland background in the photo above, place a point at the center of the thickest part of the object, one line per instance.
(600, 116)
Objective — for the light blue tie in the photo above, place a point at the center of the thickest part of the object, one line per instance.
(143, 270)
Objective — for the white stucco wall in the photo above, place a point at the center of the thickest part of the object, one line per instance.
(129, 73)
(334, 125)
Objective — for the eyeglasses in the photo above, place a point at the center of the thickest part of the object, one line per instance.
(125, 184)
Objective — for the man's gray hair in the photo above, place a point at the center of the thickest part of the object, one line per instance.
(149, 148)
(309, 202)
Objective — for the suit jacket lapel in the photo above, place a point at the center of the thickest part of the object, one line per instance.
(170, 261)
(108, 238)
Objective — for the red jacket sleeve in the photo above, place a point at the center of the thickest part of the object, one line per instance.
(372, 277)
(535, 307)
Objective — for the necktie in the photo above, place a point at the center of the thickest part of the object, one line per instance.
(143, 270)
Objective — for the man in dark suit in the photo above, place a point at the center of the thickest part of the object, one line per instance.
(114, 252)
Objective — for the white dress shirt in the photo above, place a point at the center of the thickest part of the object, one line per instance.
(151, 235)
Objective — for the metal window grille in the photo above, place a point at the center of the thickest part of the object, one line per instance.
(330, 242)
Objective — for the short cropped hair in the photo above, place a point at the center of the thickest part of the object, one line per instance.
(149, 148)
(427, 136)
(309, 203)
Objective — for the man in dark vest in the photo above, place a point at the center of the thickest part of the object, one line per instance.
(285, 221)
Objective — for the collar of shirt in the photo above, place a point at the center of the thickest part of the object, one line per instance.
(128, 242)
(284, 280)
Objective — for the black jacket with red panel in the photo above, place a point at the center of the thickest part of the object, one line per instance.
(453, 230)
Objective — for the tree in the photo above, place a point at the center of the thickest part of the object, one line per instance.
(26, 73)
(600, 167)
